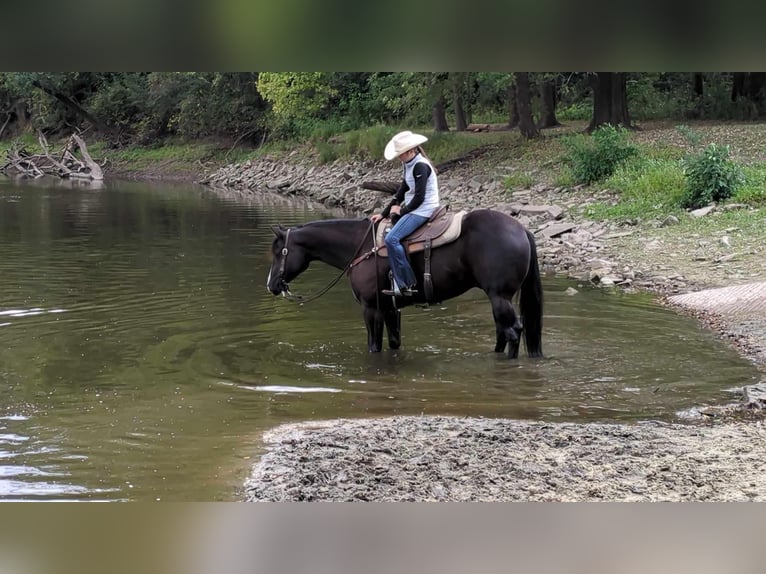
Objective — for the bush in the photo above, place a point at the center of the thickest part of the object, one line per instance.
(595, 157)
(710, 176)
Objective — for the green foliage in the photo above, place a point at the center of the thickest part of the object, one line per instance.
(645, 187)
(579, 110)
(122, 101)
(252, 108)
(595, 157)
(518, 180)
(753, 189)
(296, 94)
(692, 137)
(710, 176)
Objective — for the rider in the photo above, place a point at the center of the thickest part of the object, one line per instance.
(414, 203)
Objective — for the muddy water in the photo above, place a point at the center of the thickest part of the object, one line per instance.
(141, 356)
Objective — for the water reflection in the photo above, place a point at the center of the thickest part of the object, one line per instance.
(141, 356)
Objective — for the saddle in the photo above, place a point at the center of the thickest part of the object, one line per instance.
(443, 227)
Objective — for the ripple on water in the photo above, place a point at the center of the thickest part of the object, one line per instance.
(282, 389)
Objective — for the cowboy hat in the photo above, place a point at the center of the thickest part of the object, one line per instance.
(402, 142)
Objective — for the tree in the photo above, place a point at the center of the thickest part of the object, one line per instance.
(439, 115)
(458, 80)
(527, 125)
(296, 94)
(437, 86)
(549, 96)
(610, 99)
(749, 88)
(70, 90)
(513, 108)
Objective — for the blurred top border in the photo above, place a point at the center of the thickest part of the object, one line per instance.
(545, 35)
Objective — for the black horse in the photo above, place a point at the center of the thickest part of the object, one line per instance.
(494, 252)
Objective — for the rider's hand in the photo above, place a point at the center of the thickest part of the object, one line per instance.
(376, 217)
(396, 210)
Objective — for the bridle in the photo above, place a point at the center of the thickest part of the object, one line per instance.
(307, 298)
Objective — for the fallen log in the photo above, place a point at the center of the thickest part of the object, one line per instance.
(67, 165)
(386, 186)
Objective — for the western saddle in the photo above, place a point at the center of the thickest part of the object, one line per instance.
(443, 227)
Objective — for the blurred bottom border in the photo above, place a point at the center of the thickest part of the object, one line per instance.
(447, 538)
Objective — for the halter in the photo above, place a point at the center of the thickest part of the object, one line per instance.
(306, 298)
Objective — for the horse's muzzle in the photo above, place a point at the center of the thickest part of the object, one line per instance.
(279, 287)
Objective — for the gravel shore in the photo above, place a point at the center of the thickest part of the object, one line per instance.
(474, 459)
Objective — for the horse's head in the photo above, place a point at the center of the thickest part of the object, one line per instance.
(289, 260)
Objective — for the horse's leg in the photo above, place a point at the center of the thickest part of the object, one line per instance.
(373, 319)
(507, 326)
(393, 319)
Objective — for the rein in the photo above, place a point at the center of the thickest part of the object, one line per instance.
(314, 296)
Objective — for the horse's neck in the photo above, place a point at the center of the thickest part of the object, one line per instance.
(334, 242)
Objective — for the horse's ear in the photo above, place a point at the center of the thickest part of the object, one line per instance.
(278, 230)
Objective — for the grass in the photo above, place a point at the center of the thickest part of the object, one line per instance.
(652, 185)
(369, 143)
(645, 187)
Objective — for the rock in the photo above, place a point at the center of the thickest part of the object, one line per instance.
(600, 264)
(733, 206)
(557, 229)
(755, 395)
(702, 211)
(669, 220)
(571, 291)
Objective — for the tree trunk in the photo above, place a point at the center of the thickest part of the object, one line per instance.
(460, 121)
(527, 125)
(699, 84)
(698, 81)
(738, 85)
(22, 119)
(439, 115)
(757, 90)
(610, 100)
(548, 96)
(513, 109)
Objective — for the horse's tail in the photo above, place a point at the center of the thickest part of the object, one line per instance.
(531, 303)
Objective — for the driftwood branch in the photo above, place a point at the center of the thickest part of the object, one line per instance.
(95, 169)
(64, 171)
(388, 187)
(65, 165)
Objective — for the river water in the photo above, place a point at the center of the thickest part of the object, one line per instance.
(141, 355)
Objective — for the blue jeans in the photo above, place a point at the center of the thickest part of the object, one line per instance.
(397, 257)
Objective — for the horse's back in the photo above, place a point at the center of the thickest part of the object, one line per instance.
(496, 226)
